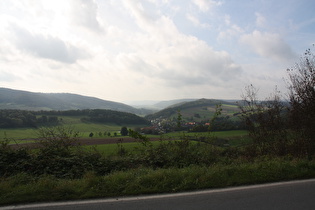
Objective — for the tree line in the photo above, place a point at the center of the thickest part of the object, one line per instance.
(109, 116)
(21, 118)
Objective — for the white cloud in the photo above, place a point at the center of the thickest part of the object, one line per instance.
(260, 20)
(231, 30)
(268, 45)
(163, 53)
(46, 46)
(206, 5)
(196, 21)
(85, 14)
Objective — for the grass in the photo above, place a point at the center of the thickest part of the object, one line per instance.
(234, 138)
(20, 134)
(111, 149)
(23, 135)
(23, 188)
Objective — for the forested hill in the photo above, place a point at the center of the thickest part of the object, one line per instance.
(24, 100)
(198, 109)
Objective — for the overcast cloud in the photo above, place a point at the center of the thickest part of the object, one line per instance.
(127, 50)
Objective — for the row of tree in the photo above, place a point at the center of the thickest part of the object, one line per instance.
(21, 118)
(109, 116)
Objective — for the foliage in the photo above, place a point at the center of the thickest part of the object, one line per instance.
(23, 188)
(57, 138)
(17, 118)
(124, 131)
(145, 141)
(13, 161)
(302, 101)
(179, 119)
(109, 116)
(265, 121)
(58, 155)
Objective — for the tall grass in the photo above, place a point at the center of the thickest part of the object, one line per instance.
(23, 187)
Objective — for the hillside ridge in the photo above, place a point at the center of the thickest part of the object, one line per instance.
(199, 107)
(19, 99)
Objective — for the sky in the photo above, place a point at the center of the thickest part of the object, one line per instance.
(131, 50)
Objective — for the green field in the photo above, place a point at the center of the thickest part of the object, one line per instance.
(84, 129)
(233, 138)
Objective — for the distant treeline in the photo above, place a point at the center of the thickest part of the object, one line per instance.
(21, 118)
(109, 116)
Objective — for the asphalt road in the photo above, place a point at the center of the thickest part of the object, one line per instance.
(282, 195)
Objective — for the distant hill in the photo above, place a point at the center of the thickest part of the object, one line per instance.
(196, 110)
(157, 105)
(170, 103)
(24, 100)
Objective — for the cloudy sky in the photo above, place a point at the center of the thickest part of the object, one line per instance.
(124, 50)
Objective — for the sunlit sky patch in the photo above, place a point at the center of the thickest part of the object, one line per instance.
(152, 49)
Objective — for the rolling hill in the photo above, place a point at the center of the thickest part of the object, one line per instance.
(197, 110)
(156, 105)
(24, 100)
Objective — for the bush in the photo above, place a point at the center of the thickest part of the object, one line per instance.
(266, 122)
(302, 101)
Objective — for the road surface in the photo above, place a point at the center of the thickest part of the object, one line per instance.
(282, 195)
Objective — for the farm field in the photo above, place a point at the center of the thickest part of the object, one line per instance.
(22, 135)
(27, 135)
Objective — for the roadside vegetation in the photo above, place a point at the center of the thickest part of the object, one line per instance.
(278, 145)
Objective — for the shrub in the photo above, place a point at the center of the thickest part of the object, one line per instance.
(302, 101)
(266, 122)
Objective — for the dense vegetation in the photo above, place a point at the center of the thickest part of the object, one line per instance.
(108, 116)
(278, 128)
(20, 118)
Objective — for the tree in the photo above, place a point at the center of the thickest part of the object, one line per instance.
(57, 138)
(302, 101)
(124, 131)
(179, 119)
(265, 121)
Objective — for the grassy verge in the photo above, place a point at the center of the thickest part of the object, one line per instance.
(23, 188)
